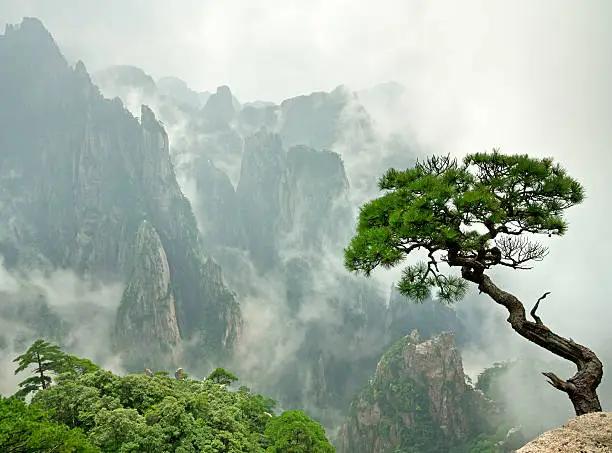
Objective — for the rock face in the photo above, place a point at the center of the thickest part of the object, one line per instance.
(589, 433)
(79, 175)
(418, 400)
(217, 206)
(220, 108)
(288, 199)
(262, 169)
(312, 204)
(147, 326)
(318, 119)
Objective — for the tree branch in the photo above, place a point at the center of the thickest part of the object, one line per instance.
(535, 307)
(581, 388)
(559, 383)
(433, 262)
(436, 165)
(413, 246)
(517, 250)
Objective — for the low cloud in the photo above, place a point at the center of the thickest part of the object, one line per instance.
(60, 307)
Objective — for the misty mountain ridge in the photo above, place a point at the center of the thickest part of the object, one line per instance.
(176, 89)
(101, 175)
(112, 175)
(311, 119)
(196, 230)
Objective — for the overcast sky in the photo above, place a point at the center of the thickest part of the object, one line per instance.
(531, 76)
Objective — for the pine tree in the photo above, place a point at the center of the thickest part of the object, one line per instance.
(473, 217)
(46, 359)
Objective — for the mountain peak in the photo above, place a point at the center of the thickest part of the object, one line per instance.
(30, 42)
(222, 105)
(79, 67)
(29, 25)
(125, 75)
(224, 91)
(178, 90)
(31, 31)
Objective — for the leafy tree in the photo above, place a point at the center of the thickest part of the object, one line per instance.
(125, 430)
(257, 409)
(475, 216)
(46, 358)
(89, 410)
(221, 376)
(28, 428)
(295, 432)
(76, 365)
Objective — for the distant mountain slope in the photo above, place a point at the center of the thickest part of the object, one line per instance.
(79, 177)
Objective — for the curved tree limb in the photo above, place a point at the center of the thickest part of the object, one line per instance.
(581, 387)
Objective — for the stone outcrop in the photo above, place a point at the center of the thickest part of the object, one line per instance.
(312, 200)
(418, 399)
(147, 327)
(589, 433)
(289, 199)
(263, 164)
(217, 207)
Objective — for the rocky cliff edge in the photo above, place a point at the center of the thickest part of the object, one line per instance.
(589, 433)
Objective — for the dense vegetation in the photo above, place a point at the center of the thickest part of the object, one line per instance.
(78, 407)
(476, 216)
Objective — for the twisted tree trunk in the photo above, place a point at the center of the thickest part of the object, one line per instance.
(582, 387)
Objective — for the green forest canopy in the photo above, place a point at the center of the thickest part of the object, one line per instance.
(86, 409)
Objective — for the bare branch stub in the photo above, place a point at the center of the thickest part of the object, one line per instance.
(558, 383)
(535, 308)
